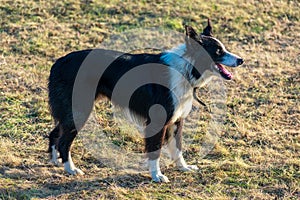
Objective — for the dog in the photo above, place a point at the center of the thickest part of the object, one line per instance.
(176, 98)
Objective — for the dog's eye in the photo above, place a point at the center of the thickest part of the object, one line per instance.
(219, 52)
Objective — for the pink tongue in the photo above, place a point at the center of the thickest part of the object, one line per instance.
(224, 71)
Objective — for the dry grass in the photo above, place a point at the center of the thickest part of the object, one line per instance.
(258, 155)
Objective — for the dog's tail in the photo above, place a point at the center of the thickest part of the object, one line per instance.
(53, 82)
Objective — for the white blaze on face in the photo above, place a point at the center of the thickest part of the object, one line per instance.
(230, 59)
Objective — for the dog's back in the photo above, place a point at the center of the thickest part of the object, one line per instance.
(64, 71)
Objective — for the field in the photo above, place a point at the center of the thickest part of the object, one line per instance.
(258, 153)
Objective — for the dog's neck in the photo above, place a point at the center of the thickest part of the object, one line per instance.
(178, 59)
(173, 55)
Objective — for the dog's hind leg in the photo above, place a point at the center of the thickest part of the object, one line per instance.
(175, 147)
(64, 146)
(53, 142)
(153, 149)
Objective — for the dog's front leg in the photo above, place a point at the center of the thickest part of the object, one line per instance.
(153, 148)
(175, 147)
(155, 172)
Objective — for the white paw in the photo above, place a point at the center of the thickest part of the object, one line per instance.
(189, 168)
(71, 169)
(56, 161)
(55, 157)
(160, 178)
(74, 171)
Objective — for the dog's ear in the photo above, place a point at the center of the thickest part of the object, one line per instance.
(192, 34)
(208, 29)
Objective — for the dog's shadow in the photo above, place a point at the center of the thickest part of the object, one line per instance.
(133, 180)
(44, 181)
(121, 178)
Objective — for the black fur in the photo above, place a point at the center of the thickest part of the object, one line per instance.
(61, 81)
(64, 71)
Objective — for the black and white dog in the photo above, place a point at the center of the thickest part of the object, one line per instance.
(176, 98)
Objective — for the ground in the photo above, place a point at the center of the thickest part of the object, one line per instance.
(258, 153)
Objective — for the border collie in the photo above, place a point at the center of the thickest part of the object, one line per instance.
(176, 98)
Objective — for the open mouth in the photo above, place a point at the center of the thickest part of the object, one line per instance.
(224, 72)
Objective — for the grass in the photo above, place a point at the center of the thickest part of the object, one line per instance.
(258, 155)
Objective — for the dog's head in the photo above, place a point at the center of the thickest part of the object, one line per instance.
(215, 49)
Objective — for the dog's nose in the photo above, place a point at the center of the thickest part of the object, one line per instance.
(240, 61)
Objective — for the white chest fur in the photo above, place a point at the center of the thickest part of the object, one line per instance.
(182, 90)
(183, 107)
